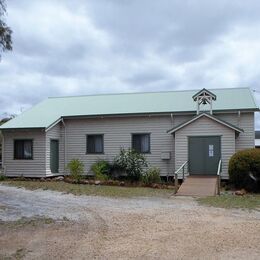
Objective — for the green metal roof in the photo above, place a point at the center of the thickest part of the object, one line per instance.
(52, 109)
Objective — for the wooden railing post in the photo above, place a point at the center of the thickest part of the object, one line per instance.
(219, 177)
(219, 181)
(176, 184)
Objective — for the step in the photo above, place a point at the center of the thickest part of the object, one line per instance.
(198, 186)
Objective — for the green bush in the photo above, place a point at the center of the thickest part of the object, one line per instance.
(243, 164)
(76, 168)
(2, 177)
(151, 176)
(101, 170)
(132, 163)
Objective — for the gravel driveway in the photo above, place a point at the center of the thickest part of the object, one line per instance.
(87, 227)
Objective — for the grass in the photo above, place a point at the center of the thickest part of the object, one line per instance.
(232, 201)
(94, 190)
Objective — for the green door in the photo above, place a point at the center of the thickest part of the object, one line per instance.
(54, 154)
(204, 155)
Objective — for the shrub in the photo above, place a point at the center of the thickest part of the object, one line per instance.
(2, 177)
(151, 176)
(243, 164)
(132, 163)
(76, 168)
(101, 170)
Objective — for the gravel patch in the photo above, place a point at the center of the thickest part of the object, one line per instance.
(109, 228)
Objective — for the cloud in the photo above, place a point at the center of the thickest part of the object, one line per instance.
(70, 48)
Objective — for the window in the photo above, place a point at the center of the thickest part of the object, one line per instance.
(23, 149)
(141, 143)
(95, 144)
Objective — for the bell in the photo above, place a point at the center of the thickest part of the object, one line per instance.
(204, 102)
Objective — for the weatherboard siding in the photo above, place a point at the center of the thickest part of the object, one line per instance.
(205, 127)
(245, 121)
(247, 138)
(56, 133)
(26, 168)
(117, 134)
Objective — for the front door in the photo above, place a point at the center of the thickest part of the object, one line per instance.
(204, 155)
(54, 156)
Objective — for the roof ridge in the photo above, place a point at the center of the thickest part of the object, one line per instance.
(142, 92)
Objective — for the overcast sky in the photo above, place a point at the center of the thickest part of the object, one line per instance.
(101, 46)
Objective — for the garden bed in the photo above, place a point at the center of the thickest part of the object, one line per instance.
(122, 183)
(87, 189)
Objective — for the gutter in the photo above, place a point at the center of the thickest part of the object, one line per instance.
(157, 113)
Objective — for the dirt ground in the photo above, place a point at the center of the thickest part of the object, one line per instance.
(51, 225)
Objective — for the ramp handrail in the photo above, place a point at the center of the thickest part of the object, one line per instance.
(176, 175)
(219, 176)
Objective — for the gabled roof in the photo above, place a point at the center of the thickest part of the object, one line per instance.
(214, 97)
(52, 109)
(214, 118)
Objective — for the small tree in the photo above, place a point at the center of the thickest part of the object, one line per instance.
(76, 168)
(5, 31)
(132, 163)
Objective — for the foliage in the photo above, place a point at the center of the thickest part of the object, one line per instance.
(101, 169)
(243, 164)
(6, 119)
(151, 176)
(76, 168)
(5, 31)
(2, 177)
(132, 163)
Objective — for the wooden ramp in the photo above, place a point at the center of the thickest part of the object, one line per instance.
(198, 186)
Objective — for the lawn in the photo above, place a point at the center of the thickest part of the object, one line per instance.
(232, 201)
(94, 190)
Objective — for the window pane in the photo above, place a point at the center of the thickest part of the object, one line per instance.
(95, 143)
(23, 149)
(91, 144)
(137, 143)
(27, 149)
(141, 143)
(145, 143)
(99, 144)
(18, 149)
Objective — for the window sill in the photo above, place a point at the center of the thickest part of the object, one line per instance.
(23, 159)
(94, 153)
(143, 152)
